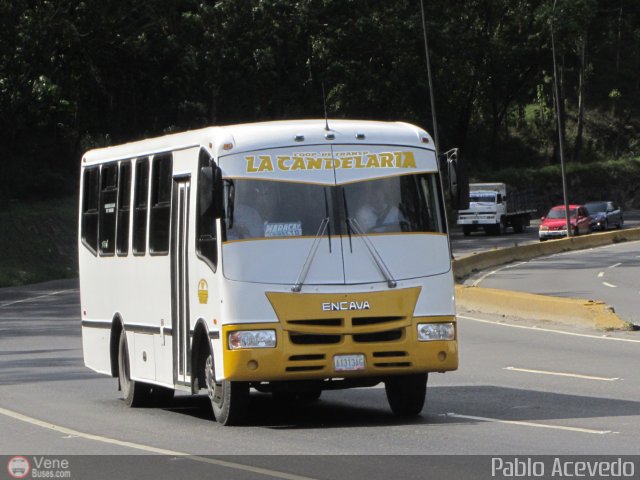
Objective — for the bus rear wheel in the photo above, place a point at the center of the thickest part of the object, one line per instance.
(229, 400)
(406, 393)
(136, 394)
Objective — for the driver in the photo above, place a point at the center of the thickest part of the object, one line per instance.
(377, 213)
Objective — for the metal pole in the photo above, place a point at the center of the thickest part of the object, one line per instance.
(559, 120)
(431, 97)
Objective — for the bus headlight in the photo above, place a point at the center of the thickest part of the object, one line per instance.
(436, 331)
(252, 339)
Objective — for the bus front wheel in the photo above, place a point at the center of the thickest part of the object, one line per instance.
(136, 394)
(229, 400)
(406, 393)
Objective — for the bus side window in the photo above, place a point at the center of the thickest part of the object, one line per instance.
(108, 197)
(160, 216)
(206, 238)
(140, 206)
(90, 212)
(124, 204)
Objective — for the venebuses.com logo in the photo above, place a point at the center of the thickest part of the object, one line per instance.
(18, 467)
(38, 467)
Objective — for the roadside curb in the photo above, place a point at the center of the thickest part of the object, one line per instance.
(540, 307)
(571, 311)
(465, 266)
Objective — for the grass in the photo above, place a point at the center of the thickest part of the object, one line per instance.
(38, 241)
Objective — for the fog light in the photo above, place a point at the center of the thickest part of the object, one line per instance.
(252, 365)
(252, 339)
(436, 331)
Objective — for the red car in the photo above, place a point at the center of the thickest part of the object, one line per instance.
(554, 225)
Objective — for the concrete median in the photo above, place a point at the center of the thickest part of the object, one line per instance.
(572, 311)
(465, 266)
(539, 307)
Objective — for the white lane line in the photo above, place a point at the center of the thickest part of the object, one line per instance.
(549, 330)
(562, 374)
(34, 298)
(148, 448)
(615, 265)
(530, 424)
(610, 285)
(514, 265)
(601, 274)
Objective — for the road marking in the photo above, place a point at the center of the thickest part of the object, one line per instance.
(562, 374)
(530, 424)
(477, 282)
(35, 298)
(607, 284)
(148, 448)
(615, 265)
(601, 274)
(549, 330)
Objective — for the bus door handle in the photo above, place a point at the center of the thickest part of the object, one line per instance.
(162, 331)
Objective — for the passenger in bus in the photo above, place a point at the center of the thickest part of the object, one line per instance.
(377, 212)
(247, 221)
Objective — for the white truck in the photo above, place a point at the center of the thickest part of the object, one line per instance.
(493, 207)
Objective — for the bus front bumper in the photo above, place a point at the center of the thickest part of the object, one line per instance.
(326, 355)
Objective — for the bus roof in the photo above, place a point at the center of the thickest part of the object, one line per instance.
(253, 136)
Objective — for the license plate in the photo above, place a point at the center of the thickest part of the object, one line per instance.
(346, 363)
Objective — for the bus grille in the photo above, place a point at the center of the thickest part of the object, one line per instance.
(386, 336)
(313, 339)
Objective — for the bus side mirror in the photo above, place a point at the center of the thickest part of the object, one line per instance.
(458, 180)
(218, 192)
(211, 189)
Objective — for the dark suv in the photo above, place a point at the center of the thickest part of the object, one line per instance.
(604, 214)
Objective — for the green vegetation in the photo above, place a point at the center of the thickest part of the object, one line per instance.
(604, 180)
(38, 241)
(79, 74)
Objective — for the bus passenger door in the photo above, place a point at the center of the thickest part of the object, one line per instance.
(180, 327)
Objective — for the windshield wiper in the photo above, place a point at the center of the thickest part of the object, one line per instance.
(310, 256)
(346, 214)
(326, 211)
(353, 223)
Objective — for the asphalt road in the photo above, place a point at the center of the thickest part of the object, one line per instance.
(520, 390)
(610, 274)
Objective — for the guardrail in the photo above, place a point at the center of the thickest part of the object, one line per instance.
(540, 307)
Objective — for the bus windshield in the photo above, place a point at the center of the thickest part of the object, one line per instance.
(269, 209)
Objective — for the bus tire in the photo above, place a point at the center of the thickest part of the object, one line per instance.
(406, 393)
(229, 400)
(135, 394)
